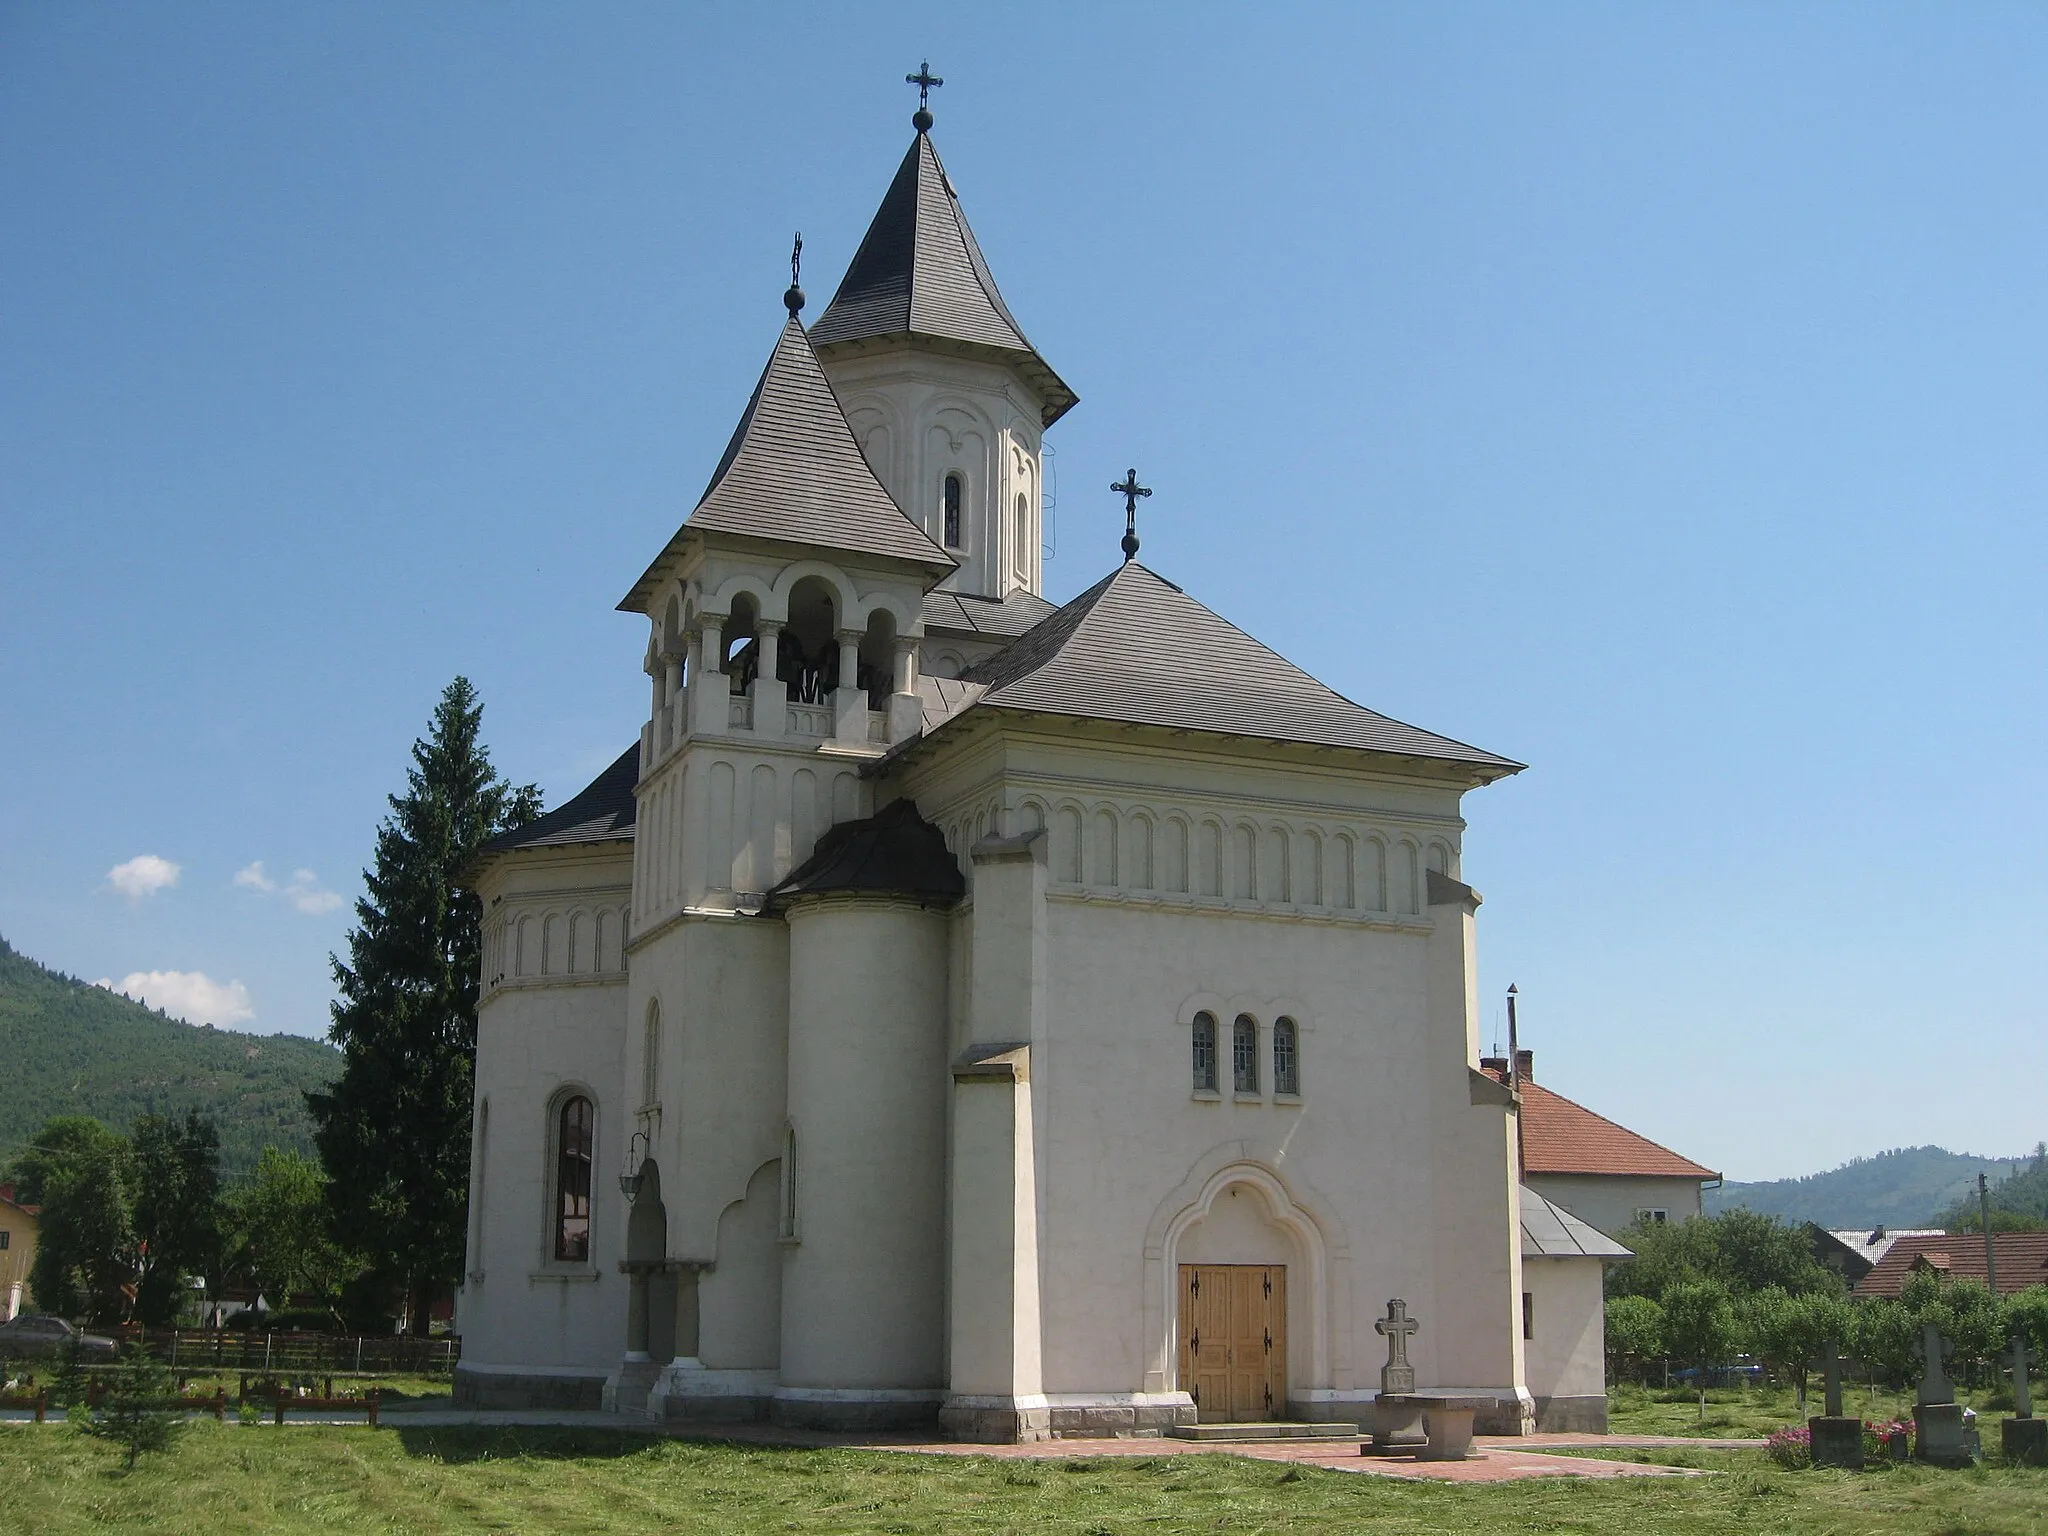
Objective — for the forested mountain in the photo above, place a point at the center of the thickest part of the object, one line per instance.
(2024, 1194)
(1905, 1187)
(70, 1048)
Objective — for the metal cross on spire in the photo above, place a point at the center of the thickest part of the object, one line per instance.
(1130, 490)
(793, 299)
(926, 82)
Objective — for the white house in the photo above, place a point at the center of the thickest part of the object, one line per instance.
(962, 1011)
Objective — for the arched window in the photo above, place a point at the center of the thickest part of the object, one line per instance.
(1205, 1053)
(572, 1179)
(950, 494)
(1244, 1054)
(650, 1057)
(1022, 558)
(1286, 1058)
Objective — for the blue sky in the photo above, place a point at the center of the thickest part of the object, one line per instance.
(1654, 394)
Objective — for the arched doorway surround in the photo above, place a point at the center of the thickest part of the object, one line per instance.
(1321, 1293)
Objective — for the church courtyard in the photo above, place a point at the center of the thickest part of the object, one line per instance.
(233, 1481)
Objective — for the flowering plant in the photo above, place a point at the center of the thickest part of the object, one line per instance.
(1790, 1447)
(1879, 1435)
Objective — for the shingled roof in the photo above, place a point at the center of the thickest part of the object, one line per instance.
(1003, 618)
(1134, 647)
(602, 812)
(919, 272)
(793, 473)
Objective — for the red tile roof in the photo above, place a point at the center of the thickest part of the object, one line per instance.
(1559, 1136)
(2022, 1261)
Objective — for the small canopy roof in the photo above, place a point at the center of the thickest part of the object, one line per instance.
(1552, 1232)
(894, 852)
(1135, 647)
(919, 272)
(793, 473)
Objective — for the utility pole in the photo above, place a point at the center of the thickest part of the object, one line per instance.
(1984, 1217)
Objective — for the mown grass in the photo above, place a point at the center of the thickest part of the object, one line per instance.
(1752, 1412)
(421, 1482)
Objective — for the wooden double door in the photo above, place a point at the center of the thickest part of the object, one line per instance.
(1233, 1340)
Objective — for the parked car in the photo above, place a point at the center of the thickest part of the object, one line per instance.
(38, 1336)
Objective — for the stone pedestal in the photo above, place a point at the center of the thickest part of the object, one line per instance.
(1837, 1442)
(2025, 1441)
(1449, 1433)
(1940, 1434)
(1396, 1421)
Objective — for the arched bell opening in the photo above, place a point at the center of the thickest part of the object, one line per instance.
(808, 657)
(742, 643)
(878, 658)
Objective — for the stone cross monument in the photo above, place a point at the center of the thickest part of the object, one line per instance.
(1935, 1387)
(1935, 1411)
(2024, 1438)
(1397, 1376)
(1836, 1441)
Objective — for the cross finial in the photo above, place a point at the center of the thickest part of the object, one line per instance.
(925, 81)
(1130, 490)
(793, 298)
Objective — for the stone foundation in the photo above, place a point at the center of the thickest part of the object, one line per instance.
(1836, 1441)
(854, 1409)
(1571, 1415)
(481, 1387)
(2025, 1441)
(996, 1420)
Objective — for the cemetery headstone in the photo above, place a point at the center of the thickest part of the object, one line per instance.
(1935, 1411)
(2023, 1438)
(1836, 1441)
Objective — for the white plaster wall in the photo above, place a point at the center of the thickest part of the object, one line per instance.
(1567, 1350)
(919, 414)
(863, 1282)
(1609, 1202)
(538, 1036)
(740, 1296)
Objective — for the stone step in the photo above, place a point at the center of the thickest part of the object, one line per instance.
(1281, 1430)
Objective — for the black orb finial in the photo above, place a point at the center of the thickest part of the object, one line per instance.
(925, 81)
(793, 298)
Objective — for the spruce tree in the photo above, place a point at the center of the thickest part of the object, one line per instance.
(393, 1131)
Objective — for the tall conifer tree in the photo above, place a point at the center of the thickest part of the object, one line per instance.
(393, 1131)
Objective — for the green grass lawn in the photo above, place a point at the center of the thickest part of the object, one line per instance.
(234, 1480)
(1736, 1413)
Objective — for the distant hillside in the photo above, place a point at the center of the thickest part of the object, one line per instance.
(70, 1048)
(2024, 1194)
(1905, 1187)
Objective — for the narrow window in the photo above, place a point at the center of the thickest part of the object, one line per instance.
(1528, 1316)
(5, 1238)
(1022, 559)
(572, 1181)
(1205, 1053)
(1244, 1054)
(1286, 1059)
(789, 1181)
(949, 498)
(650, 1060)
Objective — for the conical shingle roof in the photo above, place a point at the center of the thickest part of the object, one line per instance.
(792, 472)
(1134, 647)
(919, 272)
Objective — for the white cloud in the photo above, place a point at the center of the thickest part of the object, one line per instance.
(189, 995)
(304, 890)
(143, 875)
(307, 894)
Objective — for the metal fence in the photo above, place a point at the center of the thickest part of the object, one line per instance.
(193, 1349)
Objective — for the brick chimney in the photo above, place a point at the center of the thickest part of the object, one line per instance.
(1525, 1066)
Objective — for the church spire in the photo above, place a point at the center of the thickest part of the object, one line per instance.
(919, 276)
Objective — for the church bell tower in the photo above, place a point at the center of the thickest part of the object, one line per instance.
(946, 397)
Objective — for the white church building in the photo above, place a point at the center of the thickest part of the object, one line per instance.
(960, 1011)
